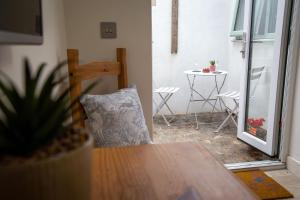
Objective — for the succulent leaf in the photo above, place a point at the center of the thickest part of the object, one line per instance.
(212, 62)
(38, 115)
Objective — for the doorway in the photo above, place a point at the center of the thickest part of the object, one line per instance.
(254, 66)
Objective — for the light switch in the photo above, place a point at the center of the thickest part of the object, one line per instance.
(108, 29)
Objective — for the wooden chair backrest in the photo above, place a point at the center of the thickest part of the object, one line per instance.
(79, 73)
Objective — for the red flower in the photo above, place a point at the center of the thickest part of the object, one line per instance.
(256, 122)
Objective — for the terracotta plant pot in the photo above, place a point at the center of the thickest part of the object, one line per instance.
(212, 68)
(61, 177)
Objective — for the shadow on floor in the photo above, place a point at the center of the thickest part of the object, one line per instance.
(223, 145)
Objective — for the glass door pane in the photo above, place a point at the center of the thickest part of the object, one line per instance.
(260, 71)
(239, 23)
(262, 79)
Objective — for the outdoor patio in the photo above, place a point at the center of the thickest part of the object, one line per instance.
(199, 66)
(224, 145)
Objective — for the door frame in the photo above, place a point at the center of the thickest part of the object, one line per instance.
(270, 145)
(290, 81)
(288, 99)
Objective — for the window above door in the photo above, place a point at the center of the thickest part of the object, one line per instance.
(265, 18)
(266, 14)
(237, 26)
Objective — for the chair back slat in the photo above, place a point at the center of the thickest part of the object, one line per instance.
(256, 73)
(79, 73)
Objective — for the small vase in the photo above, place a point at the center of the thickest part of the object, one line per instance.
(212, 68)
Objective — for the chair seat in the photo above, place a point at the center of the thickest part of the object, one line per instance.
(232, 94)
(166, 90)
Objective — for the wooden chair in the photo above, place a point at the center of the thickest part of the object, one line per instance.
(79, 73)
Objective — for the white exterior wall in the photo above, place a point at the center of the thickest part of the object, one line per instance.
(204, 28)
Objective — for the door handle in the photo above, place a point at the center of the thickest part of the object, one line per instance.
(244, 44)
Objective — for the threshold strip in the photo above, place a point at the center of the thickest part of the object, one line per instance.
(263, 165)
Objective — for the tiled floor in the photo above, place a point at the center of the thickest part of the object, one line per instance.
(287, 180)
(223, 145)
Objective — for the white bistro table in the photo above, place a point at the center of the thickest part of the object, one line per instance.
(210, 99)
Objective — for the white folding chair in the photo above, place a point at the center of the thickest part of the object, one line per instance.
(232, 112)
(165, 93)
(235, 96)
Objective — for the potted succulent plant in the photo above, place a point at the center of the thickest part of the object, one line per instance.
(42, 155)
(212, 66)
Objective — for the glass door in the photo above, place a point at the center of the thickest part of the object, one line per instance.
(262, 79)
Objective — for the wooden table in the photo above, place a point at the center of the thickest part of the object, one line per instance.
(163, 171)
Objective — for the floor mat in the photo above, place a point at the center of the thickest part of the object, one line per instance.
(262, 185)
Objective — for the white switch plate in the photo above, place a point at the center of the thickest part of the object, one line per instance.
(108, 29)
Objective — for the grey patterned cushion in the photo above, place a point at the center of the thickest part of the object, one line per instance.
(116, 119)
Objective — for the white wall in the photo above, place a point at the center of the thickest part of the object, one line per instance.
(294, 154)
(133, 18)
(52, 51)
(203, 35)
